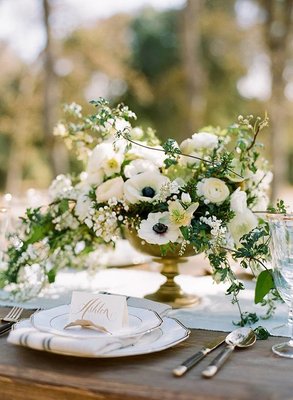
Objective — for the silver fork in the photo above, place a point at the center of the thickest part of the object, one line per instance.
(10, 319)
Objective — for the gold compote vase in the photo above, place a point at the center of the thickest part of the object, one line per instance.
(169, 292)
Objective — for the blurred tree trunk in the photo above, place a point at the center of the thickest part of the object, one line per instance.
(194, 74)
(57, 154)
(19, 144)
(277, 30)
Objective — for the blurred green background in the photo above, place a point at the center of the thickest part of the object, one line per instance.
(180, 65)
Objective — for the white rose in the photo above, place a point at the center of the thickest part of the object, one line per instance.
(238, 201)
(144, 187)
(242, 224)
(214, 190)
(110, 189)
(204, 140)
(138, 166)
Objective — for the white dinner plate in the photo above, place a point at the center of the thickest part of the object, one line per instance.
(141, 321)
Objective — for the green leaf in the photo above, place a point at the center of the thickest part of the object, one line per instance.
(261, 333)
(38, 232)
(51, 275)
(63, 206)
(264, 284)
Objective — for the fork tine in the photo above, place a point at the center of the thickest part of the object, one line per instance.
(14, 312)
(18, 313)
(11, 312)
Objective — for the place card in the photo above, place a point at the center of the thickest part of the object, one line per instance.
(104, 312)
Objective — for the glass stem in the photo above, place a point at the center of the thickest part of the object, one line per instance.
(290, 323)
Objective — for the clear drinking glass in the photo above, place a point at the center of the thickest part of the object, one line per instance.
(281, 228)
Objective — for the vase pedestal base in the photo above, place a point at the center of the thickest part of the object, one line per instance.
(179, 301)
(170, 292)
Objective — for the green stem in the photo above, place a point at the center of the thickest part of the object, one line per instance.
(179, 154)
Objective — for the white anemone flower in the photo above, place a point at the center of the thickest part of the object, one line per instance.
(214, 190)
(139, 166)
(180, 216)
(144, 187)
(158, 229)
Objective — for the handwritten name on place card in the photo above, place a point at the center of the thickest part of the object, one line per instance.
(107, 311)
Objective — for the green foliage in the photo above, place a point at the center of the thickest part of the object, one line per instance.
(264, 284)
(261, 333)
(247, 319)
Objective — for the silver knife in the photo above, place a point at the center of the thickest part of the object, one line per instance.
(197, 357)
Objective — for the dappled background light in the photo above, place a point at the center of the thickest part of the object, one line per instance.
(180, 65)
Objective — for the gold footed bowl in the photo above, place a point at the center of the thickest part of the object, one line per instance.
(169, 292)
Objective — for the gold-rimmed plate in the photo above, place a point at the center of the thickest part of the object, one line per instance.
(53, 321)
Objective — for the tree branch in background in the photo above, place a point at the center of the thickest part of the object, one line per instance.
(192, 63)
(56, 152)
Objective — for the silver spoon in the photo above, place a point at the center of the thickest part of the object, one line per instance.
(242, 337)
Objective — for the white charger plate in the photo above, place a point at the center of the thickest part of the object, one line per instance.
(169, 334)
(141, 321)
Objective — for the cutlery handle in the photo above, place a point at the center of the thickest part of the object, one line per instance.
(215, 365)
(190, 362)
(5, 327)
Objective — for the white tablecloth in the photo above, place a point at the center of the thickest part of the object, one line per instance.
(215, 311)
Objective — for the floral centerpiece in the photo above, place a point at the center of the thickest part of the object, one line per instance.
(203, 193)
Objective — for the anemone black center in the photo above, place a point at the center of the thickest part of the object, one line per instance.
(160, 228)
(148, 192)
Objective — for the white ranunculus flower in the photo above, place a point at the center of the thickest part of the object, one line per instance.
(105, 158)
(214, 190)
(238, 201)
(113, 188)
(157, 229)
(204, 141)
(144, 187)
(136, 167)
(242, 224)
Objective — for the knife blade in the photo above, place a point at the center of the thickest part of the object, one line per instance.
(198, 356)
